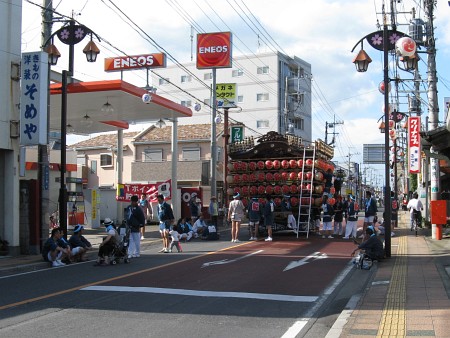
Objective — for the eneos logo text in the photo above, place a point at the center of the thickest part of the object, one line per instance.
(135, 62)
(214, 50)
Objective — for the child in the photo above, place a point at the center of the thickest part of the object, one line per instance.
(175, 239)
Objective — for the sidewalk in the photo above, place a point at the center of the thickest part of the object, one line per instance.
(409, 295)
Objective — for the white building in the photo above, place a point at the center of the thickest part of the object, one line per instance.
(261, 82)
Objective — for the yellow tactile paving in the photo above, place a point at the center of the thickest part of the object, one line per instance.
(393, 318)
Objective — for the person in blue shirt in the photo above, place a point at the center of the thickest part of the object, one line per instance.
(166, 218)
(52, 252)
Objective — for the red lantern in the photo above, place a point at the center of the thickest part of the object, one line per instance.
(276, 164)
(253, 190)
(244, 178)
(284, 176)
(269, 164)
(277, 177)
(262, 201)
(305, 200)
(260, 165)
(293, 189)
(299, 175)
(292, 176)
(285, 164)
(252, 177)
(277, 190)
(293, 164)
(261, 177)
(309, 162)
(245, 190)
(236, 166)
(245, 202)
(237, 190)
(285, 189)
(244, 166)
(309, 175)
(318, 189)
(269, 177)
(261, 189)
(269, 189)
(300, 164)
(236, 178)
(294, 201)
(318, 176)
(308, 187)
(252, 166)
(277, 201)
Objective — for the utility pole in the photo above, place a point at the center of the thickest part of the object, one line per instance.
(433, 110)
(332, 125)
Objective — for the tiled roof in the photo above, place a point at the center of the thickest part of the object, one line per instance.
(104, 140)
(185, 132)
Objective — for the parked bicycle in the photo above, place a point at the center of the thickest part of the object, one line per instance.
(416, 221)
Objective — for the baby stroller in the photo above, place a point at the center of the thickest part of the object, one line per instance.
(120, 251)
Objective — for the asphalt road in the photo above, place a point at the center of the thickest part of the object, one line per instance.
(290, 287)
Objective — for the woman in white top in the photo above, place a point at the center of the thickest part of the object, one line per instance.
(235, 215)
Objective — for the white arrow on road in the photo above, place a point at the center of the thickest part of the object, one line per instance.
(296, 264)
(226, 261)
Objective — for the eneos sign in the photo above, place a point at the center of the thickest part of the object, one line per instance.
(135, 62)
(214, 50)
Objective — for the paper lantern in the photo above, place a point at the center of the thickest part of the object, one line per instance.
(245, 202)
(236, 178)
(244, 178)
(405, 46)
(392, 134)
(294, 201)
(284, 176)
(261, 177)
(252, 177)
(285, 189)
(309, 176)
(229, 179)
(293, 164)
(269, 189)
(318, 189)
(245, 190)
(285, 164)
(260, 165)
(253, 190)
(318, 176)
(306, 200)
(269, 177)
(230, 166)
(300, 175)
(276, 164)
(277, 201)
(252, 166)
(381, 87)
(277, 190)
(308, 187)
(293, 189)
(230, 191)
(292, 176)
(269, 164)
(309, 162)
(244, 166)
(262, 201)
(236, 166)
(391, 124)
(261, 189)
(300, 164)
(277, 177)
(237, 190)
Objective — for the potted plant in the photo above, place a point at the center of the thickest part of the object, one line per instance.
(4, 249)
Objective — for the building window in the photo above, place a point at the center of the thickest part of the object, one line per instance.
(186, 103)
(152, 155)
(298, 98)
(298, 123)
(163, 81)
(207, 102)
(93, 167)
(207, 76)
(191, 154)
(237, 73)
(186, 78)
(262, 97)
(240, 98)
(262, 124)
(263, 70)
(106, 160)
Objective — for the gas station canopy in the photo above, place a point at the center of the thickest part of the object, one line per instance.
(101, 106)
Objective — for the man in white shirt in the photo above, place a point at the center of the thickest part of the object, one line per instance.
(414, 204)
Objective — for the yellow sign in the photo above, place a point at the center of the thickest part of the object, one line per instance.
(94, 204)
(226, 95)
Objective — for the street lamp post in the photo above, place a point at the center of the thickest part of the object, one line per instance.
(70, 34)
(384, 41)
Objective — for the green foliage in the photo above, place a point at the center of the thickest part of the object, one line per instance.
(413, 182)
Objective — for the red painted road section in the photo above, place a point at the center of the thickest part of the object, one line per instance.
(257, 273)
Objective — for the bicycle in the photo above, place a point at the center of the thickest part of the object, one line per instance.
(416, 221)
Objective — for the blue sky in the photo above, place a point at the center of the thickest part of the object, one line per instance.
(322, 32)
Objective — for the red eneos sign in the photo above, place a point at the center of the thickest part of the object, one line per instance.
(214, 50)
(135, 62)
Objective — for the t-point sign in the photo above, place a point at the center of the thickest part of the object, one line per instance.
(214, 50)
(155, 60)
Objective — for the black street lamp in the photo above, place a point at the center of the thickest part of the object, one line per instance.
(384, 40)
(70, 34)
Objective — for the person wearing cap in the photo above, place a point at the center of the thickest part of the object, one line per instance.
(193, 206)
(79, 244)
(166, 218)
(213, 210)
(372, 247)
(236, 212)
(255, 211)
(352, 218)
(107, 245)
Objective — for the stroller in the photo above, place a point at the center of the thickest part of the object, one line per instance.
(120, 251)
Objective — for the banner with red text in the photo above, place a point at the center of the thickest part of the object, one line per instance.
(126, 190)
(414, 144)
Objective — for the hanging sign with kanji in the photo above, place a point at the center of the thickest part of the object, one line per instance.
(226, 95)
(414, 144)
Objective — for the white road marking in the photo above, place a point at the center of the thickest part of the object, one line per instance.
(197, 293)
(227, 261)
(296, 264)
(339, 324)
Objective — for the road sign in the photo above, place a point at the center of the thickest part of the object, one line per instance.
(226, 95)
(237, 134)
